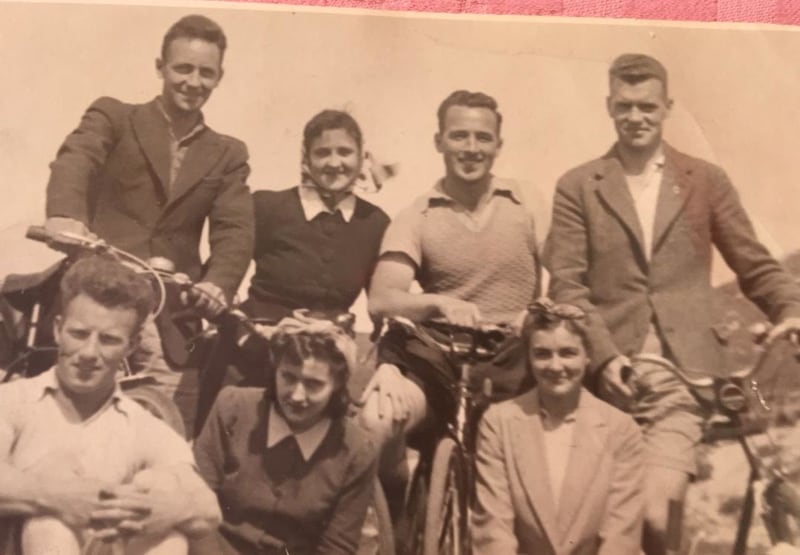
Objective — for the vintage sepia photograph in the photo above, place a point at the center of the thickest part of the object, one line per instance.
(278, 279)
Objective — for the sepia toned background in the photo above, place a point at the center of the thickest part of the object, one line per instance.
(736, 91)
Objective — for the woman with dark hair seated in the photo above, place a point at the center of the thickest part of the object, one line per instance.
(290, 470)
(317, 243)
(559, 471)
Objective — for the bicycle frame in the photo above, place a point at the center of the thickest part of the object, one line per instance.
(729, 398)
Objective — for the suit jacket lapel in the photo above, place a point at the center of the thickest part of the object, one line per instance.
(587, 441)
(613, 190)
(672, 197)
(528, 446)
(152, 133)
(202, 154)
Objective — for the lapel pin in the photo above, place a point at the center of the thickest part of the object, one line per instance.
(676, 189)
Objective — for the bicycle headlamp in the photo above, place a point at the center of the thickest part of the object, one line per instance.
(732, 397)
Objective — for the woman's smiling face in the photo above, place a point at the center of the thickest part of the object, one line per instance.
(558, 361)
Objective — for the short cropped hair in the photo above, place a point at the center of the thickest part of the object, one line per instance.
(296, 348)
(108, 283)
(470, 100)
(635, 68)
(195, 27)
(331, 119)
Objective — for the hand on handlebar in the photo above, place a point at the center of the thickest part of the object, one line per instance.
(206, 297)
(458, 312)
(613, 378)
(789, 328)
(64, 227)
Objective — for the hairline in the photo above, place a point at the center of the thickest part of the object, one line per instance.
(495, 113)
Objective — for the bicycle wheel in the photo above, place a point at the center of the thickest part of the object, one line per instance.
(159, 405)
(445, 514)
(377, 535)
(411, 524)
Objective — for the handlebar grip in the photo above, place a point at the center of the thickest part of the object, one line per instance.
(37, 233)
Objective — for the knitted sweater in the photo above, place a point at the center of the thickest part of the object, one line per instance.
(493, 264)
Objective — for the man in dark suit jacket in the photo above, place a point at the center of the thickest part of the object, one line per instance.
(631, 243)
(146, 177)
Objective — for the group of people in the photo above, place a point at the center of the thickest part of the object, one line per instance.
(286, 466)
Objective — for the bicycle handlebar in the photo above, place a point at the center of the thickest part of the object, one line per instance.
(37, 233)
(479, 342)
(696, 381)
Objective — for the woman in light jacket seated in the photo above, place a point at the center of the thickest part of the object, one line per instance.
(559, 471)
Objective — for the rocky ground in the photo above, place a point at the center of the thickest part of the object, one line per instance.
(714, 503)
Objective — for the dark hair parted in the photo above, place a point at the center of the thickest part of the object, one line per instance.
(195, 27)
(298, 347)
(108, 283)
(331, 119)
(470, 100)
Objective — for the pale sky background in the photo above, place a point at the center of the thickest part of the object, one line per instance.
(736, 92)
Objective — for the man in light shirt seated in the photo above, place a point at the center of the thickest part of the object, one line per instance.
(78, 458)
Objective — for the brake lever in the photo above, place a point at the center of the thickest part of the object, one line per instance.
(759, 397)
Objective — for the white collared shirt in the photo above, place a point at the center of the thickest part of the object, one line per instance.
(644, 189)
(313, 205)
(308, 441)
(117, 441)
(557, 447)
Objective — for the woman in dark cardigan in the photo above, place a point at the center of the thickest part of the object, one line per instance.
(291, 471)
(317, 243)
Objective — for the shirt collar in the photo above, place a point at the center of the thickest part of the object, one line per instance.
(655, 163)
(497, 187)
(47, 383)
(308, 441)
(313, 205)
(567, 419)
(201, 124)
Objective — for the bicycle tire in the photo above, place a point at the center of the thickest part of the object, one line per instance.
(445, 514)
(411, 524)
(383, 520)
(159, 405)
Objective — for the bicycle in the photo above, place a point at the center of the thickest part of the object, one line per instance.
(738, 406)
(441, 492)
(28, 305)
(230, 328)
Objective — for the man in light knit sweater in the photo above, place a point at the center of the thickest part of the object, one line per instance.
(471, 245)
(631, 243)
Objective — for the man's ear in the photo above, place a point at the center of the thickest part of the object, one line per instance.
(437, 141)
(608, 106)
(57, 321)
(159, 67)
(499, 143)
(135, 341)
